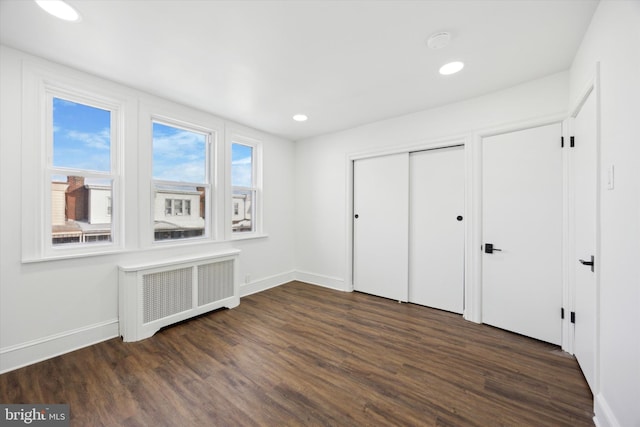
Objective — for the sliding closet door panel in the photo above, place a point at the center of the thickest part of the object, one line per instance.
(380, 225)
(436, 238)
(522, 220)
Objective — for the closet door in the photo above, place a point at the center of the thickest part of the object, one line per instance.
(522, 232)
(380, 226)
(436, 238)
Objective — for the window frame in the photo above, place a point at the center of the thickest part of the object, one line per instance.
(210, 178)
(40, 85)
(245, 138)
(85, 246)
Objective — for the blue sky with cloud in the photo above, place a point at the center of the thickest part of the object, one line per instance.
(82, 140)
(178, 154)
(81, 136)
(242, 168)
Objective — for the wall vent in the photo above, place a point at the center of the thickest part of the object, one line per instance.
(158, 294)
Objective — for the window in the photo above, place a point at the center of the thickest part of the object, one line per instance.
(180, 182)
(173, 207)
(244, 187)
(80, 171)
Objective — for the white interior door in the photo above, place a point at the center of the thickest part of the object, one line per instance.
(381, 226)
(436, 237)
(522, 219)
(584, 156)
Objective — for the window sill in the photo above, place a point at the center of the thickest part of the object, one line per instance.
(248, 236)
(117, 251)
(72, 256)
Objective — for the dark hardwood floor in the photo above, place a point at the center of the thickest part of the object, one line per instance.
(299, 354)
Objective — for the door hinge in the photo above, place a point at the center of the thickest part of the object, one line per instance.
(572, 142)
(573, 317)
(562, 313)
(562, 142)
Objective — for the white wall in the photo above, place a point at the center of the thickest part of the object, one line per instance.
(613, 40)
(52, 307)
(321, 176)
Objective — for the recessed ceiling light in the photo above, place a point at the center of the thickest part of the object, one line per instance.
(59, 9)
(451, 68)
(300, 118)
(439, 40)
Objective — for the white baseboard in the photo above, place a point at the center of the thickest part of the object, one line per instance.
(321, 280)
(604, 416)
(266, 283)
(303, 276)
(31, 352)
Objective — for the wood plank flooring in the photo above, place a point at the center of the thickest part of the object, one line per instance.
(300, 354)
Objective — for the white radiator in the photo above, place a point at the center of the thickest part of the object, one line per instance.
(158, 294)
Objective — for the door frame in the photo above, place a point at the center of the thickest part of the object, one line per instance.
(590, 88)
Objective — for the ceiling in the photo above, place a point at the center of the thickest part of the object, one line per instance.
(342, 63)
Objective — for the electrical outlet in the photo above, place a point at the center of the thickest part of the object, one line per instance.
(247, 279)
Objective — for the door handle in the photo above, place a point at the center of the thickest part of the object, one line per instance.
(590, 263)
(489, 249)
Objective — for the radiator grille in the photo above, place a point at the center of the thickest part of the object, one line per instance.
(215, 282)
(166, 293)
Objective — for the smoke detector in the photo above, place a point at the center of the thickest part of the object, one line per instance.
(439, 40)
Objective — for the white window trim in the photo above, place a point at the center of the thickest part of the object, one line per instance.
(40, 86)
(235, 136)
(181, 117)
